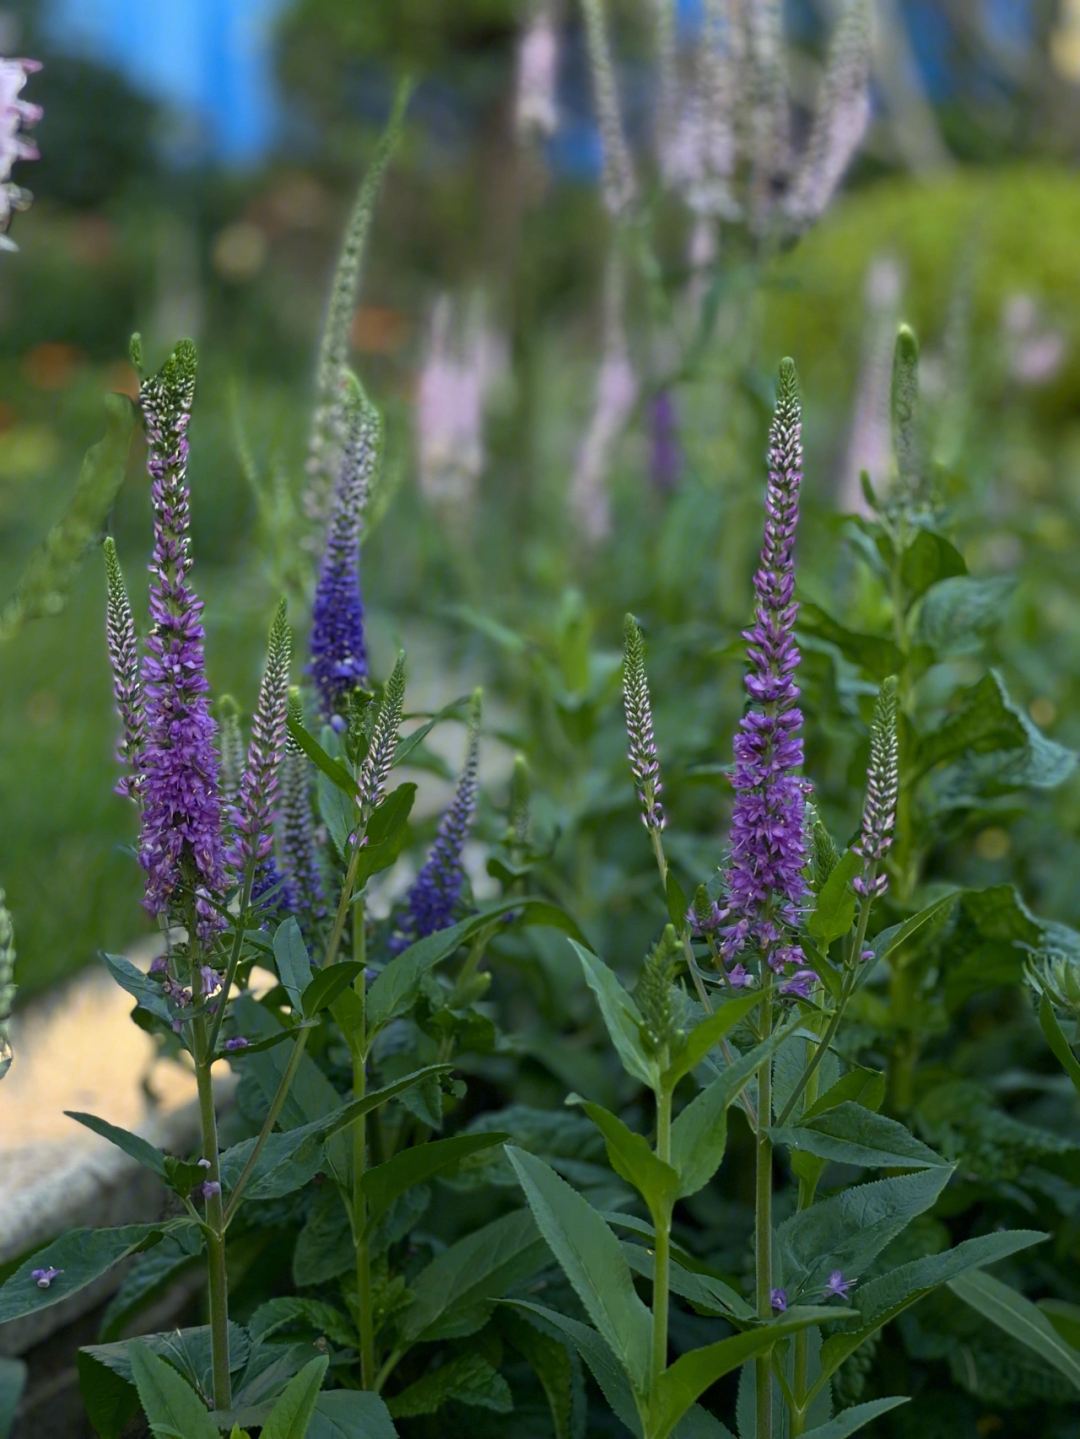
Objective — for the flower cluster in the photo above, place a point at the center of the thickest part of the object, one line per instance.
(882, 782)
(181, 821)
(124, 659)
(14, 114)
(765, 883)
(338, 650)
(253, 814)
(375, 770)
(433, 899)
(639, 727)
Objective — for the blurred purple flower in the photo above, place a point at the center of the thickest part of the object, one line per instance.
(536, 103)
(665, 455)
(14, 114)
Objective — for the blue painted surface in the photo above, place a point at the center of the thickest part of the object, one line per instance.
(209, 60)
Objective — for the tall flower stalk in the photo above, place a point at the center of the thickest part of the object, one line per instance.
(434, 896)
(639, 729)
(299, 847)
(181, 827)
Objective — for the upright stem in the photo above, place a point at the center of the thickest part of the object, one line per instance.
(218, 1284)
(763, 1224)
(801, 1364)
(368, 1374)
(276, 1106)
(234, 956)
(343, 904)
(662, 1272)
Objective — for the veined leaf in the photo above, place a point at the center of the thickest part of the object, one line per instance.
(385, 1182)
(335, 772)
(878, 656)
(291, 1414)
(278, 1314)
(954, 612)
(834, 913)
(592, 1259)
(706, 1294)
(633, 1160)
(1019, 1318)
(676, 902)
(293, 964)
(555, 1363)
(142, 989)
(406, 746)
(138, 1149)
(468, 1378)
(850, 1134)
(929, 559)
(172, 1407)
(604, 1366)
(80, 1257)
(393, 990)
(351, 1414)
(386, 833)
(327, 985)
(889, 939)
(622, 1017)
(860, 1086)
(881, 1300)
(987, 720)
(850, 1229)
(706, 1035)
(457, 1291)
(849, 1421)
(699, 1134)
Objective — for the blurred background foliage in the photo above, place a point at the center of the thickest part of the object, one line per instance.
(966, 192)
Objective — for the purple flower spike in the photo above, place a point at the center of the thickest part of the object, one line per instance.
(253, 814)
(338, 650)
(179, 790)
(778, 1300)
(124, 660)
(432, 902)
(639, 727)
(838, 1286)
(44, 1277)
(375, 770)
(765, 880)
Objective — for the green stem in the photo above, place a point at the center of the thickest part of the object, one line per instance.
(368, 1375)
(234, 957)
(763, 1225)
(218, 1284)
(662, 1222)
(344, 902)
(268, 1123)
(390, 1364)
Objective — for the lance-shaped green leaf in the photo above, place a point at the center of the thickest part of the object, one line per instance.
(881, 1300)
(555, 1363)
(351, 1414)
(406, 746)
(137, 1148)
(892, 938)
(394, 989)
(707, 1294)
(456, 1293)
(699, 1134)
(876, 654)
(326, 986)
(850, 1421)
(172, 1407)
(708, 1034)
(79, 1258)
(592, 1259)
(632, 1159)
(850, 1134)
(929, 559)
(955, 612)
(622, 1017)
(143, 990)
(336, 773)
(834, 913)
(850, 1229)
(604, 1366)
(278, 1314)
(1055, 1038)
(468, 1378)
(691, 1374)
(858, 1086)
(988, 720)
(292, 1413)
(385, 1182)
(293, 964)
(1019, 1318)
(387, 831)
(676, 902)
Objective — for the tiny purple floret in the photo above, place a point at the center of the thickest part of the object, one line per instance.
(838, 1286)
(44, 1277)
(778, 1300)
(238, 1043)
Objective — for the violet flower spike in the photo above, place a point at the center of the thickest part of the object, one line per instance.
(882, 788)
(338, 649)
(765, 883)
(179, 790)
(375, 770)
(299, 848)
(435, 894)
(253, 814)
(124, 661)
(644, 763)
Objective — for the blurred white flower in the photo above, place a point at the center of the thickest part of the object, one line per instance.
(1034, 351)
(536, 107)
(455, 380)
(870, 445)
(14, 145)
